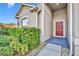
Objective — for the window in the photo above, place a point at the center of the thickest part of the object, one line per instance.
(25, 22)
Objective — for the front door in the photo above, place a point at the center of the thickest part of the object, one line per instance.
(59, 28)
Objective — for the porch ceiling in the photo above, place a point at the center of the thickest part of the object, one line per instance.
(56, 6)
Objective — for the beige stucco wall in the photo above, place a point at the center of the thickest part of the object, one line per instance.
(76, 21)
(32, 20)
(23, 11)
(39, 24)
(47, 22)
(75, 18)
(30, 15)
(60, 15)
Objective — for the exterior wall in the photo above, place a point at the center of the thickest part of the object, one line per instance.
(32, 19)
(76, 21)
(40, 25)
(23, 11)
(70, 40)
(39, 20)
(31, 16)
(60, 15)
(47, 23)
(76, 27)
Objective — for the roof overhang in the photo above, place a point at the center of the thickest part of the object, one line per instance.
(32, 9)
(56, 6)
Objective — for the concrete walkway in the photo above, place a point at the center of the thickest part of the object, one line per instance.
(50, 50)
(53, 47)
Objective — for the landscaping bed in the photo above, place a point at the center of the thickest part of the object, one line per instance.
(18, 41)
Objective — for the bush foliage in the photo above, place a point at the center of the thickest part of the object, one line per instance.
(18, 41)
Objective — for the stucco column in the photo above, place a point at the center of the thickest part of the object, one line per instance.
(19, 23)
(70, 35)
(41, 23)
(42, 18)
(36, 20)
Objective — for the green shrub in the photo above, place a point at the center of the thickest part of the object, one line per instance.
(16, 32)
(4, 41)
(19, 40)
(2, 32)
(11, 45)
(23, 49)
(19, 48)
(5, 48)
(30, 37)
(6, 51)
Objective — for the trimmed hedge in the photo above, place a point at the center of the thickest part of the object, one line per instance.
(19, 41)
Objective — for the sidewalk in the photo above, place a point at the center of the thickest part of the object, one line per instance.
(50, 50)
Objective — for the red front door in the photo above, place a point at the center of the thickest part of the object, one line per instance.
(59, 28)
